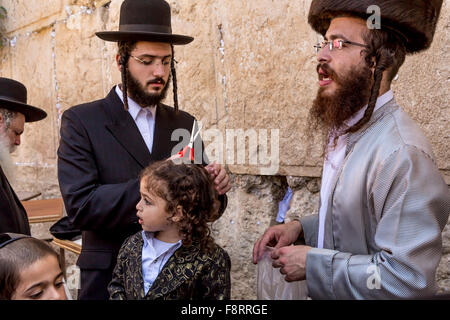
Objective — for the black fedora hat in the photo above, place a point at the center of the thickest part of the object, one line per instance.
(145, 20)
(13, 96)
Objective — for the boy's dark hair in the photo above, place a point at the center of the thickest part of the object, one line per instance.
(17, 256)
(189, 186)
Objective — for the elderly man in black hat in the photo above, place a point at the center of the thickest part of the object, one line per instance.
(105, 144)
(383, 201)
(14, 112)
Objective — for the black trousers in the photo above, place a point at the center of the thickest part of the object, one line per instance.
(94, 284)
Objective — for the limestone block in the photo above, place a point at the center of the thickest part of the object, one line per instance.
(37, 178)
(443, 274)
(421, 90)
(269, 63)
(297, 183)
(32, 56)
(79, 59)
(443, 271)
(252, 205)
(305, 198)
(197, 61)
(446, 240)
(22, 14)
(6, 61)
(88, 3)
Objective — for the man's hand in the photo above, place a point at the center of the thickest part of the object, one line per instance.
(220, 177)
(277, 236)
(292, 261)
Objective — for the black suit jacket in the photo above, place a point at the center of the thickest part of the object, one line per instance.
(100, 156)
(13, 217)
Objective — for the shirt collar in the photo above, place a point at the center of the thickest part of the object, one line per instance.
(133, 108)
(149, 236)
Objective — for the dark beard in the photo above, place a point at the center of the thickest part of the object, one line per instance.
(140, 96)
(329, 113)
(6, 161)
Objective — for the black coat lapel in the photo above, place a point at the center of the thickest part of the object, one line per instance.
(124, 129)
(163, 134)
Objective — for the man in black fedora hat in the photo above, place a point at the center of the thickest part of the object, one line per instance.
(383, 201)
(14, 112)
(105, 144)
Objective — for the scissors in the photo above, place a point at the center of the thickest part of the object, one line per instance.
(190, 147)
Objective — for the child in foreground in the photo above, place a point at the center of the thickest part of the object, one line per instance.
(174, 257)
(29, 269)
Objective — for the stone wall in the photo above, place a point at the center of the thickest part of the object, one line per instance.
(251, 68)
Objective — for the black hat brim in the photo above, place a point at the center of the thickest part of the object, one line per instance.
(31, 113)
(116, 36)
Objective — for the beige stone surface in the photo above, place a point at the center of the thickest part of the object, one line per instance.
(251, 67)
(252, 206)
(30, 15)
(79, 59)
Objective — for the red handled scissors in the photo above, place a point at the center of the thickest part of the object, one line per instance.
(190, 147)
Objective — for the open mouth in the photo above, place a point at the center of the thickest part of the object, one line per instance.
(156, 83)
(324, 78)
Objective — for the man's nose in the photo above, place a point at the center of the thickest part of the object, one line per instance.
(323, 56)
(17, 141)
(159, 70)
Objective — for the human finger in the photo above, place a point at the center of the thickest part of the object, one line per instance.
(256, 251)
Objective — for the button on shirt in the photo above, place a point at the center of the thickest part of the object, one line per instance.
(155, 254)
(334, 161)
(143, 117)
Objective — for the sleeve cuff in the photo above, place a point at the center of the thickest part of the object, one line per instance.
(319, 273)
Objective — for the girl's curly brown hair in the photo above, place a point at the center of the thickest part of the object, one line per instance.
(188, 186)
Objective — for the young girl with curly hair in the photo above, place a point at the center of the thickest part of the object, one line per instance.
(174, 257)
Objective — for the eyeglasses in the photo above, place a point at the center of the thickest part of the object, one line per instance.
(7, 238)
(149, 61)
(338, 44)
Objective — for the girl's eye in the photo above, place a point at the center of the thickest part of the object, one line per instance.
(36, 295)
(59, 284)
(147, 202)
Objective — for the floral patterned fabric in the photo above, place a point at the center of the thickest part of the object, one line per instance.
(189, 274)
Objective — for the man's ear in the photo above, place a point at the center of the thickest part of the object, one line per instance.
(119, 67)
(178, 214)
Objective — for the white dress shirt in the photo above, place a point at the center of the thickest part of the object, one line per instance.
(335, 160)
(155, 254)
(143, 117)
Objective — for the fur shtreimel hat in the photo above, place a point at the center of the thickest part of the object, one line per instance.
(415, 20)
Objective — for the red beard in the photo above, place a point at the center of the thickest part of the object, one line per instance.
(353, 92)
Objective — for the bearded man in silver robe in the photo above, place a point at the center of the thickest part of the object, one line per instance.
(383, 201)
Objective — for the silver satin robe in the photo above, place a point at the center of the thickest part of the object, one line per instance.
(388, 207)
